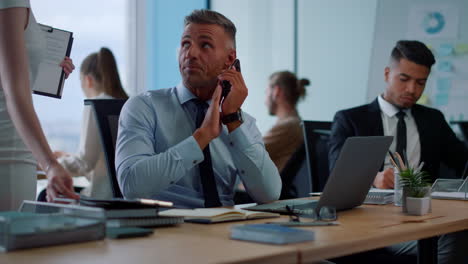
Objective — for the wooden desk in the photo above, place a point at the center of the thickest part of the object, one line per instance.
(187, 243)
(361, 229)
(371, 227)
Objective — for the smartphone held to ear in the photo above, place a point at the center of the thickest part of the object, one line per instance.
(226, 85)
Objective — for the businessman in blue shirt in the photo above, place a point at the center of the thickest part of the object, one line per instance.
(189, 144)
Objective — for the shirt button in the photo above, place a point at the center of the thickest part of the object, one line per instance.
(231, 143)
(194, 162)
(243, 171)
(171, 182)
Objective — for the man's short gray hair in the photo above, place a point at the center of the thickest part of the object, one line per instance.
(204, 16)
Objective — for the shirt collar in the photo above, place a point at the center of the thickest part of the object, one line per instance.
(389, 109)
(185, 94)
(101, 96)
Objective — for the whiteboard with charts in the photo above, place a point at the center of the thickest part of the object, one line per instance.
(443, 27)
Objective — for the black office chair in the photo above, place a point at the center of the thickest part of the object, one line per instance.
(444, 170)
(316, 137)
(107, 113)
(295, 178)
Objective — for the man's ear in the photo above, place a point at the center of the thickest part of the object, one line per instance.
(387, 73)
(232, 55)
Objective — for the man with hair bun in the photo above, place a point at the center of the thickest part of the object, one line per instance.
(282, 95)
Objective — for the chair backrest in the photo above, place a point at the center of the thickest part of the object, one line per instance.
(444, 170)
(107, 113)
(316, 137)
(464, 129)
(295, 177)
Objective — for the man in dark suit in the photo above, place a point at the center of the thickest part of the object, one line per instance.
(428, 136)
(420, 132)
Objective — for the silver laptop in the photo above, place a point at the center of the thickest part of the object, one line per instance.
(349, 182)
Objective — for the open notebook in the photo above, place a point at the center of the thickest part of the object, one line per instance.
(216, 215)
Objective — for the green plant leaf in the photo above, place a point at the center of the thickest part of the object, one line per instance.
(414, 182)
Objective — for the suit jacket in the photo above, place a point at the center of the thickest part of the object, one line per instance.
(438, 142)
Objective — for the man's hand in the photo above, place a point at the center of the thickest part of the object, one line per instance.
(60, 183)
(385, 179)
(211, 126)
(238, 93)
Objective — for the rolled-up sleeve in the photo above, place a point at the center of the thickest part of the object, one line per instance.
(256, 170)
(142, 172)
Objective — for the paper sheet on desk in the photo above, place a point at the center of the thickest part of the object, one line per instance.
(50, 76)
(382, 190)
(449, 195)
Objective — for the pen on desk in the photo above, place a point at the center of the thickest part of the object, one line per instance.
(315, 193)
(400, 160)
(405, 158)
(419, 168)
(392, 160)
(155, 202)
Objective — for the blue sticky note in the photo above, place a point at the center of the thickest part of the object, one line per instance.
(443, 85)
(445, 49)
(445, 66)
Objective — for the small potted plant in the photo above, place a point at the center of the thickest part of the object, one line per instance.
(416, 191)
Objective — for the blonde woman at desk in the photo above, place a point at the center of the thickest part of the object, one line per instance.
(99, 80)
(22, 141)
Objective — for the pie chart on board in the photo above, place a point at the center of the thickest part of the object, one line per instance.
(433, 23)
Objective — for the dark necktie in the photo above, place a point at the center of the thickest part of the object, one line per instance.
(206, 168)
(401, 134)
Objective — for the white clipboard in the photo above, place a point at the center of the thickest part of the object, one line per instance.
(50, 76)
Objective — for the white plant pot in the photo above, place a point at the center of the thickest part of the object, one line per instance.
(418, 206)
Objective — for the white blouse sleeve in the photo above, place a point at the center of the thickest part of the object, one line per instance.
(90, 148)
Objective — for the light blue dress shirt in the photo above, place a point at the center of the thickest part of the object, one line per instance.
(157, 156)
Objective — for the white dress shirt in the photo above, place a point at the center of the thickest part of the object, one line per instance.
(389, 122)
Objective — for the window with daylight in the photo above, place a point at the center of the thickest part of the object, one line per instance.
(94, 24)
